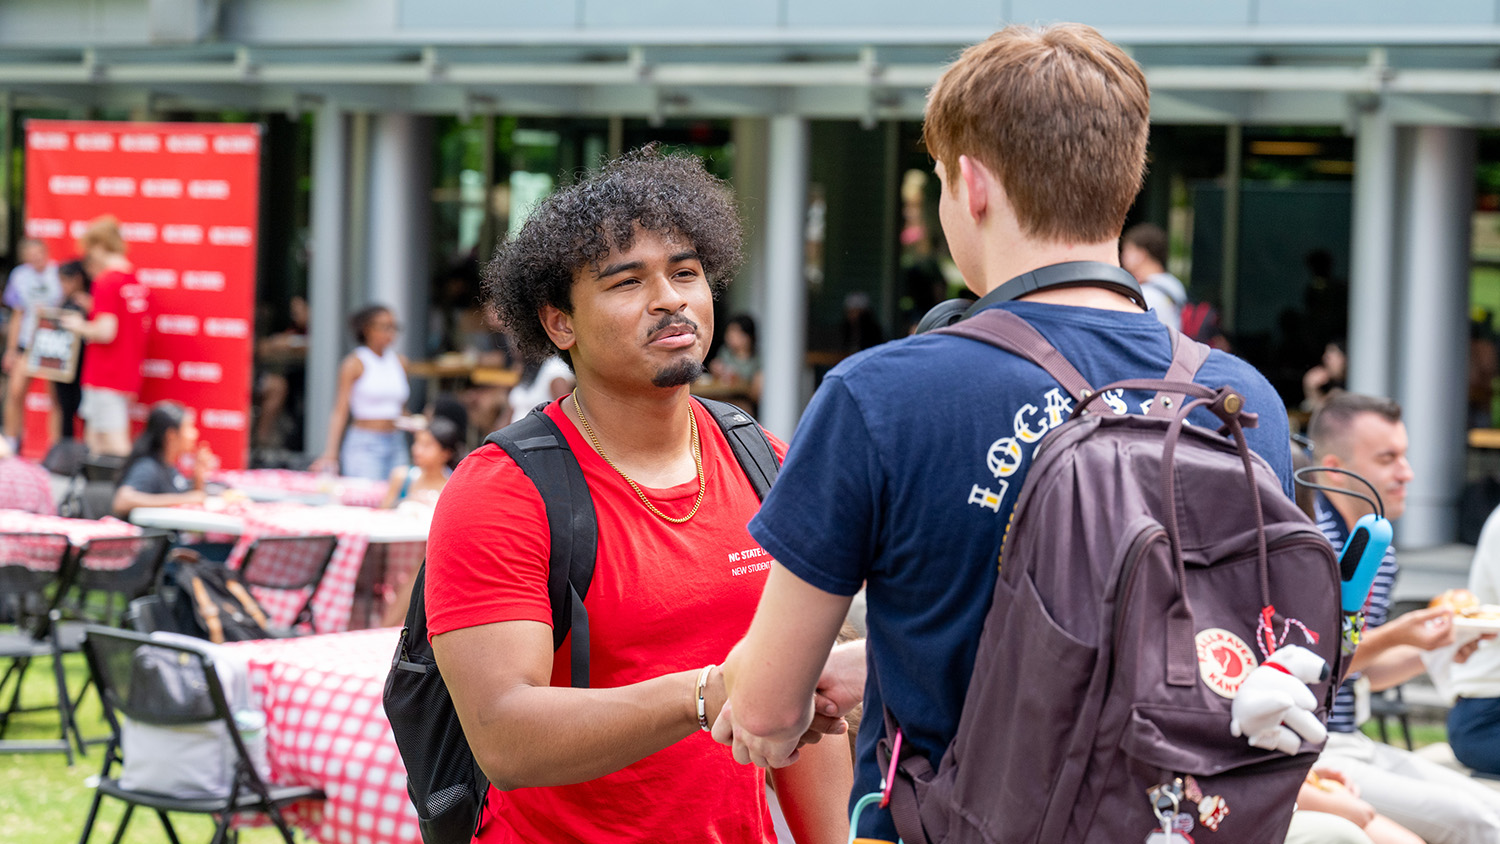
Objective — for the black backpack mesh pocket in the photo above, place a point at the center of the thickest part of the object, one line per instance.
(444, 781)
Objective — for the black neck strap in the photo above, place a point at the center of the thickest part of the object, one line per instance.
(1069, 274)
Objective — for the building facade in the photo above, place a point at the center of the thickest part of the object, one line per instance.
(813, 109)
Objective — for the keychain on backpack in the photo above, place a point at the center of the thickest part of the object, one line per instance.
(1360, 558)
(1166, 801)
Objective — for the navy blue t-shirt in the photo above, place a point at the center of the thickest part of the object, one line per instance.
(902, 476)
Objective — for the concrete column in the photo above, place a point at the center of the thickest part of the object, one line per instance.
(1372, 258)
(325, 274)
(1432, 365)
(400, 202)
(1229, 284)
(357, 241)
(751, 163)
(7, 131)
(784, 331)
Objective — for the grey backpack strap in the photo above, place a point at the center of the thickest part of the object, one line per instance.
(1005, 330)
(540, 449)
(748, 442)
(1188, 356)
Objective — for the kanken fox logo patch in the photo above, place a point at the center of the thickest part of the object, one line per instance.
(1224, 660)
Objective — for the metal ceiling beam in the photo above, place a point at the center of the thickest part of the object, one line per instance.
(865, 89)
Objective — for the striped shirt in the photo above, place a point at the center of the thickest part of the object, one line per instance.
(1377, 606)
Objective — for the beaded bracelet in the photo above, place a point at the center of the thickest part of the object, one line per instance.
(702, 704)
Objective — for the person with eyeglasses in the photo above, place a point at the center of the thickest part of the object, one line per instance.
(363, 441)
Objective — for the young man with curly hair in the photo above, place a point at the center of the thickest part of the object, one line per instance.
(617, 274)
(910, 458)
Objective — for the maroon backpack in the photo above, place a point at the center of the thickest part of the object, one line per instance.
(1128, 609)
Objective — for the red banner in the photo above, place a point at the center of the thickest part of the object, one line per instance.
(187, 196)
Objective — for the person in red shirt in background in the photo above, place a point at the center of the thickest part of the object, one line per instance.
(116, 331)
(617, 274)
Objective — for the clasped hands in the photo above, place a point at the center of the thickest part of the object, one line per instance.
(840, 688)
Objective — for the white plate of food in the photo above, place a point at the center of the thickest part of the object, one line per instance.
(1484, 618)
(1468, 613)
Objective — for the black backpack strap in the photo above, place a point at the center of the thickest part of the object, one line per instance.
(749, 444)
(1001, 328)
(540, 449)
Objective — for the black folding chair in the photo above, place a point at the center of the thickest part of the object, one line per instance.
(289, 564)
(147, 614)
(115, 570)
(96, 499)
(131, 671)
(36, 570)
(103, 467)
(90, 491)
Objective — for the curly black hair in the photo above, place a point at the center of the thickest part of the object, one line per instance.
(668, 193)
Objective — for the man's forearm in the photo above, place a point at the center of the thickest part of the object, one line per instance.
(772, 673)
(543, 736)
(1394, 667)
(1373, 644)
(814, 793)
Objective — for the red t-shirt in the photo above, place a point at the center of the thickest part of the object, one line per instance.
(664, 598)
(116, 365)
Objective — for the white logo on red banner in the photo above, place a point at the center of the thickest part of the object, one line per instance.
(234, 144)
(187, 143)
(159, 279)
(208, 189)
(138, 232)
(114, 186)
(182, 233)
(229, 236)
(185, 325)
(207, 372)
(39, 402)
(137, 299)
(189, 193)
(47, 140)
(94, 142)
(161, 188)
(45, 228)
(220, 327)
(68, 185)
(140, 143)
(225, 420)
(210, 280)
(156, 368)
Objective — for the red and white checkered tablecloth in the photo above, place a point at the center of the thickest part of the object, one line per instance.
(45, 555)
(78, 531)
(325, 727)
(352, 492)
(334, 600)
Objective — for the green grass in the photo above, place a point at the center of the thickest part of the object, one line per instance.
(1423, 732)
(43, 801)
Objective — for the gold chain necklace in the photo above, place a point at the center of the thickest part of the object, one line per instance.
(697, 462)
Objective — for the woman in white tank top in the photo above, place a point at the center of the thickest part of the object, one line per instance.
(373, 390)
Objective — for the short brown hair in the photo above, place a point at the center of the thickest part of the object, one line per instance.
(1149, 238)
(1330, 425)
(103, 232)
(1059, 115)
